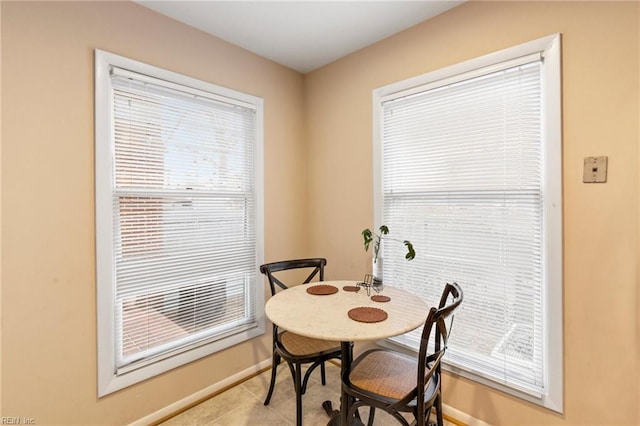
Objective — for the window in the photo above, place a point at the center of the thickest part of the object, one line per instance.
(178, 219)
(468, 167)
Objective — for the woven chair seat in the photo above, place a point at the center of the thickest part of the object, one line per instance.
(385, 373)
(300, 346)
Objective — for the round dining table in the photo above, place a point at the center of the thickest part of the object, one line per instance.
(330, 313)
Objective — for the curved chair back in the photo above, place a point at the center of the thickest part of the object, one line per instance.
(429, 365)
(449, 302)
(269, 269)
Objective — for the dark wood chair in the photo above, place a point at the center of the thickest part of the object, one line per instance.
(298, 350)
(398, 383)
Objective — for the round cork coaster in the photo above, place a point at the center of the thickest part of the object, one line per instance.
(322, 289)
(380, 298)
(353, 288)
(366, 314)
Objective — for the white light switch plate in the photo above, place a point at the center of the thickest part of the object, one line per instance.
(595, 169)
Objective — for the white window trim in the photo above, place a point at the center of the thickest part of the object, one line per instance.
(549, 47)
(108, 381)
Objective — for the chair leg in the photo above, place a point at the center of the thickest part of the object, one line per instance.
(305, 381)
(372, 414)
(292, 370)
(422, 418)
(298, 387)
(438, 405)
(274, 370)
(322, 374)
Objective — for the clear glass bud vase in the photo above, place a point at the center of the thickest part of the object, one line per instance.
(377, 272)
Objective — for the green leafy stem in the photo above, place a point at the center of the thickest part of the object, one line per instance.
(370, 236)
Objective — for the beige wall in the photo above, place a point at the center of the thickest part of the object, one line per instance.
(0, 214)
(600, 117)
(48, 244)
(318, 131)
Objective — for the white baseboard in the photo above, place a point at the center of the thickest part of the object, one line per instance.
(180, 405)
(200, 395)
(462, 417)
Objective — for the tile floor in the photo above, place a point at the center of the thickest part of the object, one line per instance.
(243, 404)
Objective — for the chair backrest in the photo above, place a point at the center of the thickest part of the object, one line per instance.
(449, 301)
(315, 264)
(430, 364)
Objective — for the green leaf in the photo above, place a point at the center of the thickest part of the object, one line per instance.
(411, 254)
(368, 237)
(384, 230)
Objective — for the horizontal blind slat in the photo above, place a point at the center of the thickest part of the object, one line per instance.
(184, 203)
(461, 177)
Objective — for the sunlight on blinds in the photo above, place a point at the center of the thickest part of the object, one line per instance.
(184, 206)
(462, 177)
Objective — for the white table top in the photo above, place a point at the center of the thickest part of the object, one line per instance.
(325, 317)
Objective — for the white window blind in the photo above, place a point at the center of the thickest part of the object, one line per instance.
(462, 175)
(183, 214)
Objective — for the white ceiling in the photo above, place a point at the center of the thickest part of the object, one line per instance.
(302, 35)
